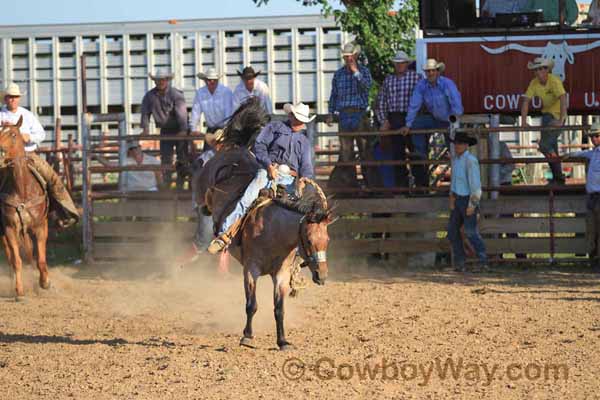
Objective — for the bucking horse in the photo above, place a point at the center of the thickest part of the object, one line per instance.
(278, 235)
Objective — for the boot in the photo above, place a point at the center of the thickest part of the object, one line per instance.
(219, 243)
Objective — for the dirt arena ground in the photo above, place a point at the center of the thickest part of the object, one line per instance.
(123, 332)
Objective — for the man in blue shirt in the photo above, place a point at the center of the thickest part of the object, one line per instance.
(465, 194)
(441, 100)
(592, 187)
(349, 99)
(284, 152)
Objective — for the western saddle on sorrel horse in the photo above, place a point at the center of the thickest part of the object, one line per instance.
(24, 205)
(277, 236)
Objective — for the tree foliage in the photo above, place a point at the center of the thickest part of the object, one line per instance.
(379, 29)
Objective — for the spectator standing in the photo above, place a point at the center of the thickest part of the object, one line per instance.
(251, 86)
(214, 100)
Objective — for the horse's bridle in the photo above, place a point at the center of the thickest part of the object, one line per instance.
(310, 258)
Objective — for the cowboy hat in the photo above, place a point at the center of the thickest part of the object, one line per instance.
(248, 73)
(212, 139)
(300, 111)
(132, 144)
(594, 129)
(211, 74)
(432, 63)
(350, 49)
(161, 74)
(12, 90)
(401, 57)
(463, 137)
(540, 62)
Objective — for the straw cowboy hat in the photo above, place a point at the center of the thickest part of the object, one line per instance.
(300, 111)
(594, 129)
(540, 62)
(432, 63)
(350, 49)
(161, 74)
(248, 73)
(463, 137)
(12, 90)
(401, 57)
(210, 74)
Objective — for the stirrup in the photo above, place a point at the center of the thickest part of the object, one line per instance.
(217, 245)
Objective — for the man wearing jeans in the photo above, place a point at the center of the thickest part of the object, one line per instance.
(350, 99)
(465, 194)
(441, 100)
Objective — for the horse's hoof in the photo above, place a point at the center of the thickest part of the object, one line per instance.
(247, 342)
(21, 299)
(45, 285)
(286, 347)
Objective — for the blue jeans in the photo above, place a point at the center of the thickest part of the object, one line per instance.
(549, 147)
(260, 181)
(421, 146)
(458, 218)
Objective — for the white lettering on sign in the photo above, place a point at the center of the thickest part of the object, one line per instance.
(501, 102)
(590, 100)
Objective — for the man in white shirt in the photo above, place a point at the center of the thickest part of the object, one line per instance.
(251, 86)
(139, 181)
(214, 100)
(33, 135)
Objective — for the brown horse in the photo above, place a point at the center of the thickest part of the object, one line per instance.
(270, 238)
(24, 206)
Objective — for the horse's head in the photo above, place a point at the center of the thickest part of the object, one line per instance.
(314, 241)
(12, 145)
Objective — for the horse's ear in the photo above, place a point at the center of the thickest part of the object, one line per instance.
(19, 122)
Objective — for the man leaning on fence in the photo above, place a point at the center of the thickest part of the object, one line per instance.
(167, 106)
(391, 111)
(349, 99)
(592, 187)
(435, 102)
(33, 134)
(465, 194)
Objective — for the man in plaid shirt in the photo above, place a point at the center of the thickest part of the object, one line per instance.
(391, 112)
(350, 99)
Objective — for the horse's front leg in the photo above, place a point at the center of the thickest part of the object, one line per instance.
(281, 287)
(10, 241)
(41, 237)
(251, 306)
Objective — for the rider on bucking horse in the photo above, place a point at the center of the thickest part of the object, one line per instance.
(284, 152)
(33, 134)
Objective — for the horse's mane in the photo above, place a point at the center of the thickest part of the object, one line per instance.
(245, 124)
(312, 203)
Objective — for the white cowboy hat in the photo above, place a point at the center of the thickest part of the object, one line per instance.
(300, 111)
(211, 73)
(132, 144)
(401, 57)
(594, 129)
(11, 90)
(161, 74)
(540, 62)
(350, 49)
(432, 63)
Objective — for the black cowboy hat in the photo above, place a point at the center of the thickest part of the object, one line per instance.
(248, 73)
(463, 137)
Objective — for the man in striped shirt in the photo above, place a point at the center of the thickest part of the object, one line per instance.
(391, 112)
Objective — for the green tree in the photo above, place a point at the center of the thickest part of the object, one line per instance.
(379, 29)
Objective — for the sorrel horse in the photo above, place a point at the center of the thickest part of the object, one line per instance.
(24, 206)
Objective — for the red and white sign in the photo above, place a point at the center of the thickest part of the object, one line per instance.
(491, 72)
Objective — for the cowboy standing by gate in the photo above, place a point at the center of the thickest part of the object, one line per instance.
(551, 91)
(251, 86)
(214, 100)
(465, 194)
(592, 187)
(167, 106)
(33, 134)
(284, 152)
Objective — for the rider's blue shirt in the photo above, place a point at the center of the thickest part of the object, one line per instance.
(278, 144)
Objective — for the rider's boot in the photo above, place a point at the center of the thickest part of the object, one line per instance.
(219, 243)
(69, 214)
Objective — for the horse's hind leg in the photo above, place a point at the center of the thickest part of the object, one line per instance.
(11, 247)
(41, 236)
(280, 289)
(251, 307)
